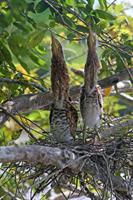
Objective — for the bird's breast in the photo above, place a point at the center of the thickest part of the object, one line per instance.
(91, 112)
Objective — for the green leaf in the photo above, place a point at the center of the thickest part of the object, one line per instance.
(17, 42)
(22, 5)
(82, 29)
(70, 2)
(42, 18)
(6, 56)
(120, 64)
(70, 36)
(103, 4)
(106, 53)
(24, 64)
(104, 15)
(100, 26)
(36, 59)
(21, 26)
(29, 1)
(5, 53)
(5, 19)
(52, 24)
(41, 6)
(66, 19)
(90, 3)
(35, 38)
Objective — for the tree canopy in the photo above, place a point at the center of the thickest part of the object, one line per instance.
(31, 163)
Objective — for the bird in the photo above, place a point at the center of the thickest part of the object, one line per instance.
(91, 100)
(63, 115)
(91, 107)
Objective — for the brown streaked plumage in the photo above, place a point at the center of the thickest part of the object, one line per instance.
(91, 102)
(63, 116)
(92, 65)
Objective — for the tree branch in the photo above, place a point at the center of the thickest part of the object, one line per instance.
(76, 158)
(26, 103)
(109, 81)
(31, 154)
(126, 99)
(62, 21)
(119, 127)
(30, 102)
(20, 82)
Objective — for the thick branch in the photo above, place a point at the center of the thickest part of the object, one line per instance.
(109, 81)
(30, 102)
(91, 160)
(119, 127)
(31, 154)
(26, 103)
(126, 99)
(112, 80)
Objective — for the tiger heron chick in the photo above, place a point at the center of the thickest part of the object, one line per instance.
(63, 116)
(91, 101)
